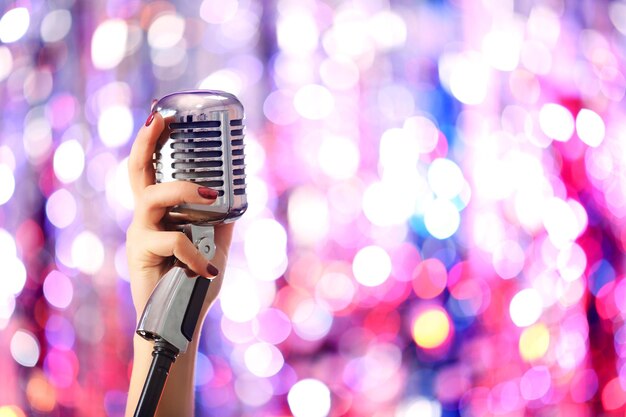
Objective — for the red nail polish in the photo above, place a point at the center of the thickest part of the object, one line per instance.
(150, 119)
(213, 271)
(206, 192)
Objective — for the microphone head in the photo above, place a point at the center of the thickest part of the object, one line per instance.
(203, 143)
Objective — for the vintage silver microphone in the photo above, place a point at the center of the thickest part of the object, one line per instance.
(202, 142)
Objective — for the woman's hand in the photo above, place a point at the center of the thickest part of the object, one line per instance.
(151, 249)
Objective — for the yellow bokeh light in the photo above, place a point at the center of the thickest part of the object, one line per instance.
(11, 411)
(431, 328)
(534, 342)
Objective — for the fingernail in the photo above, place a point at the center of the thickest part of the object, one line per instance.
(213, 271)
(206, 192)
(150, 119)
(154, 102)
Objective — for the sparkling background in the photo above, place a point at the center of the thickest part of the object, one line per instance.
(436, 196)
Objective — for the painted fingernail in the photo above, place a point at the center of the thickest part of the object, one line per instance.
(213, 271)
(206, 192)
(154, 102)
(150, 119)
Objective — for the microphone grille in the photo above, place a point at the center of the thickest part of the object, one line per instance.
(204, 143)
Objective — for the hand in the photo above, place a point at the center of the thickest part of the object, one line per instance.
(151, 249)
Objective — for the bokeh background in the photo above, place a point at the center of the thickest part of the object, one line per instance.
(437, 192)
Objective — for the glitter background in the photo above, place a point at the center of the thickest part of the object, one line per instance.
(436, 196)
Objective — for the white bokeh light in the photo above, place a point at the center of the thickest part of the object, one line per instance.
(398, 149)
(14, 24)
(403, 193)
(309, 398)
(314, 102)
(502, 48)
(69, 161)
(467, 76)
(556, 122)
(115, 125)
(265, 246)
(225, 80)
(311, 321)
(419, 407)
(297, 32)
(441, 218)
(508, 259)
(6, 62)
(445, 178)
(218, 12)
(388, 30)
(590, 127)
(561, 222)
(263, 359)
(338, 157)
(56, 25)
(243, 296)
(61, 208)
(118, 190)
(424, 131)
(371, 266)
(166, 31)
(308, 215)
(526, 307)
(25, 348)
(87, 252)
(571, 262)
(8, 183)
(108, 45)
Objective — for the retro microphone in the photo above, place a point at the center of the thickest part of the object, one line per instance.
(202, 142)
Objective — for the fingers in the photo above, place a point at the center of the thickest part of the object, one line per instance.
(156, 198)
(140, 168)
(166, 244)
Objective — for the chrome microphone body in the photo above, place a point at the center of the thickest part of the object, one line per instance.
(202, 142)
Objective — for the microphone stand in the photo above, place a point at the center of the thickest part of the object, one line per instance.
(170, 318)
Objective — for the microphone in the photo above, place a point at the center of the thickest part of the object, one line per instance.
(203, 143)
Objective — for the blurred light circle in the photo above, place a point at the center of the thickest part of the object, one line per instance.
(431, 328)
(14, 24)
(309, 398)
(314, 102)
(388, 30)
(6, 62)
(118, 190)
(556, 122)
(339, 157)
(225, 80)
(263, 359)
(8, 183)
(61, 208)
(429, 278)
(441, 218)
(502, 48)
(536, 57)
(535, 383)
(108, 44)
(445, 178)
(371, 266)
(338, 73)
(617, 14)
(218, 12)
(311, 321)
(297, 33)
(14, 268)
(56, 25)
(376, 200)
(561, 222)
(272, 326)
(115, 126)
(398, 148)
(253, 391)
(534, 342)
(87, 252)
(62, 367)
(69, 161)
(590, 127)
(424, 131)
(335, 291)
(308, 215)
(58, 289)
(571, 262)
(166, 31)
(419, 407)
(508, 259)
(265, 246)
(526, 307)
(278, 108)
(25, 348)
(466, 76)
(240, 296)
